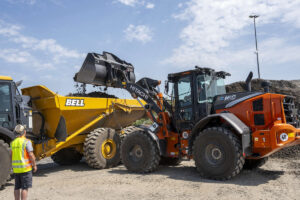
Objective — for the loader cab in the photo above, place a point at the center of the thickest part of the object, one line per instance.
(193, 95)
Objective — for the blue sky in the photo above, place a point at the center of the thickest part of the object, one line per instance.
(45, 41)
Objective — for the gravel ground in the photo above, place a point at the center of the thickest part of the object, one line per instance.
(277, 179)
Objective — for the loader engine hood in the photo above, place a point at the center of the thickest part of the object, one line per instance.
(229, 100)
(105, 70)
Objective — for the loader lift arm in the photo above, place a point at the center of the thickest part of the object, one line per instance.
(108, 70)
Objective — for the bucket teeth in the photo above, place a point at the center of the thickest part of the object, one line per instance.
(105, 69)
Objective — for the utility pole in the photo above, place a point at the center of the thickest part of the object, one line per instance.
(256, 52)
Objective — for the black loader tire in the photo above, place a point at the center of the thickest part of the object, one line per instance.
(218, 154)
(67, 156)
(102, 148)
(126, 131)
(139, 152)
(5, 163)
(255, 163)
(169, 161)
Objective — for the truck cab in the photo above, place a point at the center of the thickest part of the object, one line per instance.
(14, 107)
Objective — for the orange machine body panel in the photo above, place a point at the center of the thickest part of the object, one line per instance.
(274, 133)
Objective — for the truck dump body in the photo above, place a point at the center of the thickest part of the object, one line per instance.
(64, 116)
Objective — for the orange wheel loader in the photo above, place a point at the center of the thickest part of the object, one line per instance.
(222, 132)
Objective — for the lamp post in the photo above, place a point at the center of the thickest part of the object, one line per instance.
(256, 52)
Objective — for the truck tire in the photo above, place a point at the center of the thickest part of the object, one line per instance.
(102, 148)
(67, 156)
(139, 152)
(218, 154)
(5, 163)
(255, 163)
(169, 161)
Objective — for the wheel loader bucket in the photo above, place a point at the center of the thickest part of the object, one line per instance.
(105, 70)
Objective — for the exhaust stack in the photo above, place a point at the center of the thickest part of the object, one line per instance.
(105, 70)
(248, 82)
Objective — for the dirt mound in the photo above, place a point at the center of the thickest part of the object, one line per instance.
(291, 88)
(93, 94)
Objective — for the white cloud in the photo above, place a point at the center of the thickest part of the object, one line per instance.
(140, 33)
(30, 2)
(212, 25)
(129, 2)
(23, 57)
(28, 46)
(277, 48)
(134, 3)
(14, 55)
(150, 5)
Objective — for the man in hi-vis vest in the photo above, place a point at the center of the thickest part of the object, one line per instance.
(23, 160)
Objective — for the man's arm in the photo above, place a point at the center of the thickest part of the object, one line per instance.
(32, 159)
(29, 149)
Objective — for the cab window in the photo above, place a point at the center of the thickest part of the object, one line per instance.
(5, 99)
(184, 91)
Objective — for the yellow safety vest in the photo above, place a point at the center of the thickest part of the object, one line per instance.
(20, 158)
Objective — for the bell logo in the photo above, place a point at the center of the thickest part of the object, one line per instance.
(75, 102)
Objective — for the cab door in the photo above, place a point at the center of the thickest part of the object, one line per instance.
(6, 108)
(184, 102)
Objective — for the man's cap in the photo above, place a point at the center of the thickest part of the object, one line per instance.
(20, 129)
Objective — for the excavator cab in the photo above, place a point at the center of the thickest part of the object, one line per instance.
(194, 92)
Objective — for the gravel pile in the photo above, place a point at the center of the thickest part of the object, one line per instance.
(291, 88)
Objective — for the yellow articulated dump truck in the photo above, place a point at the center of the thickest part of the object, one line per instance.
(65, 128)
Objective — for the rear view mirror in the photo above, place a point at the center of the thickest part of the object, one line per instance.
(18, 83)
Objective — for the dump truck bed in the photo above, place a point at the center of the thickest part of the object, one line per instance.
(67, 115)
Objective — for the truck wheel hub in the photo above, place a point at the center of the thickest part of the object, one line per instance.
(108, 149)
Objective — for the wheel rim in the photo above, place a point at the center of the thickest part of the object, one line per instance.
(136, 153)
(214, 154)
(108, 149)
